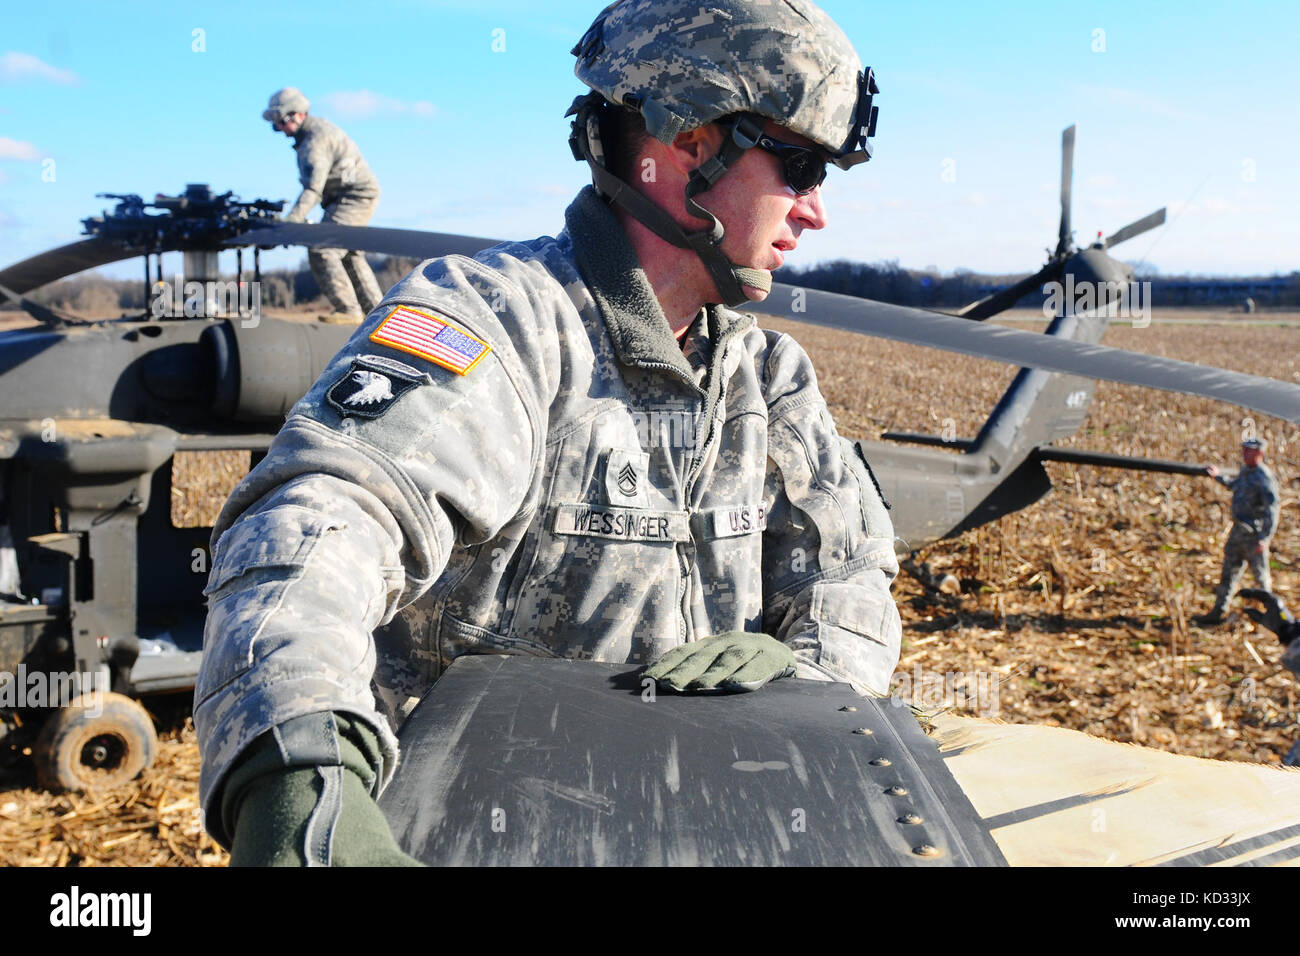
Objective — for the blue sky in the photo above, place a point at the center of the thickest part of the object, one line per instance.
(1190, 105)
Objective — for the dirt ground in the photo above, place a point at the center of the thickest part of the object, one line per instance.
(1074, 612)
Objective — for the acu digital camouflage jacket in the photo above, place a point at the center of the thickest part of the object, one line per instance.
(1255, 502)
(330, 168)
(587, 489)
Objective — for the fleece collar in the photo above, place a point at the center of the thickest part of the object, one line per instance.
(637, 326)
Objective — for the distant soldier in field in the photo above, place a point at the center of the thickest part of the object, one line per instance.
(1255, 508)
(334, 174)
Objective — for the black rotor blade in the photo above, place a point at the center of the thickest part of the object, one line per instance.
(23, 277)
(1030, 349)
(41, 313)
(1081, 456)
(393, 242)
(1149, 221)
(1006, 298)
(1067, 178)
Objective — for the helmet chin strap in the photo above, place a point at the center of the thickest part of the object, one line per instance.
(729, 278)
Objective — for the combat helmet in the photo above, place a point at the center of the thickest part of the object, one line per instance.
(285, 101)
(682, 64)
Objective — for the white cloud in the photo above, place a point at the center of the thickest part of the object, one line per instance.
(16, 67)
(1133, 101)
(1211, 205)
(364, 103)
(854, 207)
(1105, 202)
(17, 149)
(1216, 205)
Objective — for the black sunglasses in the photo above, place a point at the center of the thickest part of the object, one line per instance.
(804, 167)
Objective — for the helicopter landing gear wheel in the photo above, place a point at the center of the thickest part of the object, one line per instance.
(97, 742)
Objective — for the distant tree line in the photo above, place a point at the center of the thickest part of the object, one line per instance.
(931, 289)
(890, 282)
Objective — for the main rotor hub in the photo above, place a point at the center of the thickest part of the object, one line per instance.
(195, 220)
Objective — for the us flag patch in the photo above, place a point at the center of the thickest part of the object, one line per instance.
(429, 337)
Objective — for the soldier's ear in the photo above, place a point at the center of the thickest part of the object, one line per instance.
(692, 149)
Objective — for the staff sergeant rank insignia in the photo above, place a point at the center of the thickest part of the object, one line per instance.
(372, 385)
(428, 336)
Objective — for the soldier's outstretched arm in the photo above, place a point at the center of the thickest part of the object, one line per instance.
(314, 163)
(828, 555)
(1213, 472)
(307, 200)
(389, 462)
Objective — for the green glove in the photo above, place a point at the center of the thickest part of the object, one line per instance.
(735, 661)
(285, 813)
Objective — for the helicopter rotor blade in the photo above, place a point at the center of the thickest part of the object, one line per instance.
(1031, 349)
(41, 313)
(1149, 221)
(1067, 179)
(58, 263)
(23, 277)
(900, 323)
(1006, 298)
(412, 243)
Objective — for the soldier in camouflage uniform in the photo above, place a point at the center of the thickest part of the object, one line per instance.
(1255, 507)
(564, 447)
(334, 174)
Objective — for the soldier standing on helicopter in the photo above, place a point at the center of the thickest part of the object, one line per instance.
(334, 174)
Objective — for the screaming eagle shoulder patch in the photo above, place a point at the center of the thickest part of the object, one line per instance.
(372, 384)
(430, 337)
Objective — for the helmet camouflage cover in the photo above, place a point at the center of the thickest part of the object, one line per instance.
(686, 63)
(285, 101)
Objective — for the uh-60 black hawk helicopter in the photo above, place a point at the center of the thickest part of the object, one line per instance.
(92, 413)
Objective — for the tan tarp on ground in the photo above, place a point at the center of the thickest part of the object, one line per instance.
(1057, 797)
